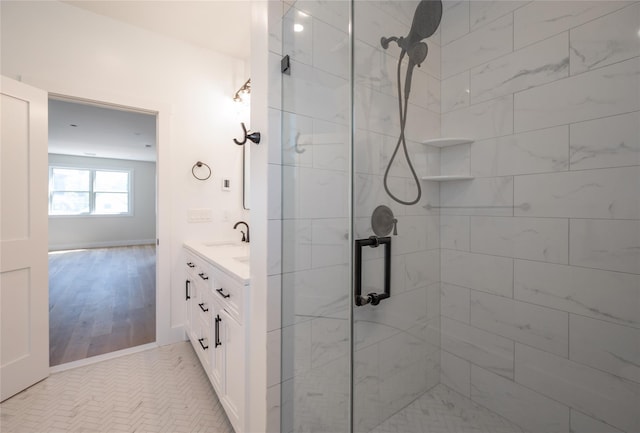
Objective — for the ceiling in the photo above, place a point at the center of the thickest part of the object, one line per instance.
(98, 131)
(219, 25)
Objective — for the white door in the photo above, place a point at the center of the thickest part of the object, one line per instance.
(24, 297)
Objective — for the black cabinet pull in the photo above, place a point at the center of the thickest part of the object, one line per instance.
(203, 276)
(191, 265)
(218, 320)
(187, 295)
(200, 340)
(221, 293)
(202, 307)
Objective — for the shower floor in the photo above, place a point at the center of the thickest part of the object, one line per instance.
(442, 410)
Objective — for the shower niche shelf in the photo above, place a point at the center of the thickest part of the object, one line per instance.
(446, 142)
(455, 152)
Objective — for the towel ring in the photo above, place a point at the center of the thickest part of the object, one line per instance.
(198, 165)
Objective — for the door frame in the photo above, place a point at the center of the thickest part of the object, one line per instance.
(165, 333)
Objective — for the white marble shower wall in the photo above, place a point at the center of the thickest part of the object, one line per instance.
(540, 259)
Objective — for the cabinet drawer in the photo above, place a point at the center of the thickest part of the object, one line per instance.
(203, 344)
(203, 306)
(230, 295)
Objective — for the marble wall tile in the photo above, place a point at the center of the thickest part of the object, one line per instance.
(539, 19)
(528, 67)
(368, 152)
(483, 12)
(478, 271)
(373, 275)
(273, 357)
(608, 142)
(604, 295)
(605, 244)
(296, 245)
(329, 340)
(273, 409)
(515, 402)
(330, 48)
(422, 269)
(581, 423)
(297, 140)
(366, 389)
(274, 302)
(543, 239)
(378, 112)
(274, 247)
(605, 346)
(330, 244)
(330, 145)
(455, 302)
(598, 394)
(484, 196)
(274, 9)
(598, 93)
(455, 20)
(275, 82)
(330, 12)
(538, 151)
(606, 40)
(274, 205)
(455, 373)
(298, 45)
(606, 193)
(416, 233)
(487, 43)
(454, 232)
(540, 327)
(331, 185)
(455, 159)
(485, 120)
(455, 91)
(274, 119)
(321, 292)
(328, 92)
(479, 347)
(296, 350)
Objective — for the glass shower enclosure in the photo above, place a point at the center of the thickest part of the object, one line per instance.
(460, 216)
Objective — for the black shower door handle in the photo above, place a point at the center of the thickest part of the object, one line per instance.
(372, 298)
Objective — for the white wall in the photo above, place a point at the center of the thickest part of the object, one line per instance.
(69, 51)
(109, 230)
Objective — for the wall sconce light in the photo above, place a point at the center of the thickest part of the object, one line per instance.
(244, 90)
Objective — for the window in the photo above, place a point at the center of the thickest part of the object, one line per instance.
(83, 191)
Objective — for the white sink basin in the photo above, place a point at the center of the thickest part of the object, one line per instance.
(222, 244)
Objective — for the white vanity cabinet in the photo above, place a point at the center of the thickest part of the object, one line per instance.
(215, 302)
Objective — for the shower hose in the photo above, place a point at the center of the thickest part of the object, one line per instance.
(402, 141)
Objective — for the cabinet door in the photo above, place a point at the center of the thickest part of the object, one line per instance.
(234, 372)
(217, 356)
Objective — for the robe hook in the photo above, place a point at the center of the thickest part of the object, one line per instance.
(254, 136)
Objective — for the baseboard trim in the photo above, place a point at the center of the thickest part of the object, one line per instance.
(106, 244)
(99, 358)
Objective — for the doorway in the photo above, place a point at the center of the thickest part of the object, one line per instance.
(102, 229)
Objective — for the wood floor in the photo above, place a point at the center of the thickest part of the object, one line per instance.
(100, 300)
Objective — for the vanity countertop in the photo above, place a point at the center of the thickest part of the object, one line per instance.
(231, 257)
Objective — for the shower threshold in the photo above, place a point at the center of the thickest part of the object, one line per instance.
(442, 410)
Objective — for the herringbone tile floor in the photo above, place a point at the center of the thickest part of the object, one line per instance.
(159, 390)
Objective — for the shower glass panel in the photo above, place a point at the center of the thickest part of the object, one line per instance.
(316, 247)
(461, 217)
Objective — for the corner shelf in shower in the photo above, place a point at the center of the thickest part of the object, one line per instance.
(445, 145)
(446, 178)
(446, 142)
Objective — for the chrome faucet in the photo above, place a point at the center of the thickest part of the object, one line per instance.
(245, 238)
